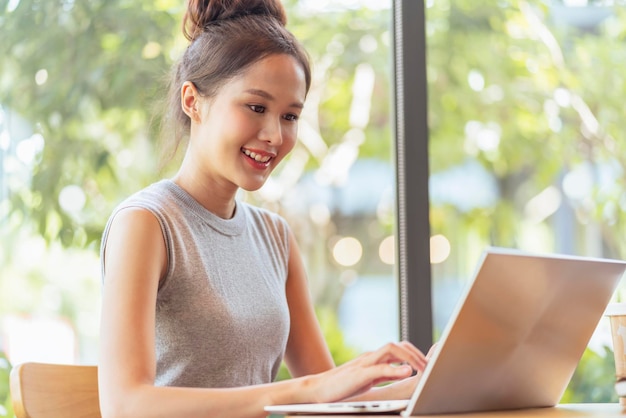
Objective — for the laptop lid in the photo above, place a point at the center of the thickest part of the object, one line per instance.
(513, 341)
(517, 334)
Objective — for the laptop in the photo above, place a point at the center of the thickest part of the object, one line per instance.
(513, 341)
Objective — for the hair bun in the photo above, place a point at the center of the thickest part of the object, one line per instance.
(202, 13)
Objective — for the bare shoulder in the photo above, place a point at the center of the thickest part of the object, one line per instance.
(134, 219)
(135, 241)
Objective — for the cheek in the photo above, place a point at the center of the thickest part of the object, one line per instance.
(290, 136)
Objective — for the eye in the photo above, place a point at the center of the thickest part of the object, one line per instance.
(257, 108)
(291, 117)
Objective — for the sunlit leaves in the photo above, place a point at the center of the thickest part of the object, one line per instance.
(86, 76)
(529, 57)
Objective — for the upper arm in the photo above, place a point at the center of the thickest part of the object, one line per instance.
(307, 352)
(135, 260)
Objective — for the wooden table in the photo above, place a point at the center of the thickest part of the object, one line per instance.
(560, 411)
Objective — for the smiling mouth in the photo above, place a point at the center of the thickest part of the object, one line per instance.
(257, 157)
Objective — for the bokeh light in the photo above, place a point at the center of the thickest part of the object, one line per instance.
(439, 249)
(347, 251)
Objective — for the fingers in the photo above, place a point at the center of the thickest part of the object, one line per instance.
(384, 373)
(403, 352)
(392, 362)
(419, 359)
(354, 378)
(431, 350)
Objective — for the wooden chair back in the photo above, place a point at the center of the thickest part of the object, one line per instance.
(42, 390)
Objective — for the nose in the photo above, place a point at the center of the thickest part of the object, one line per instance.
(271, 131)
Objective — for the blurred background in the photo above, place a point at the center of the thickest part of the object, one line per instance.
(527, 150)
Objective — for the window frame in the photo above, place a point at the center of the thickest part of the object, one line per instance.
(412, 172)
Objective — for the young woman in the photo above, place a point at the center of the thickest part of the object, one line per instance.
(204, 295)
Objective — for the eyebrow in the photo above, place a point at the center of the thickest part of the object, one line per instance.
(266, 95)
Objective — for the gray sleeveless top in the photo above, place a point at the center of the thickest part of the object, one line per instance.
(221, 314)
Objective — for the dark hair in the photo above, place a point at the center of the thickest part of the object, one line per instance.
(227, 37)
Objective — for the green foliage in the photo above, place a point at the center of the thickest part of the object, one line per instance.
(84, 76)
(6, 408)
(554, 101)
(593, 380)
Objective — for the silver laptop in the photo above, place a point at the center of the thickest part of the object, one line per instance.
(513, 341)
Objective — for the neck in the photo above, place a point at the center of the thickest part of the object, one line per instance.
(215, 198)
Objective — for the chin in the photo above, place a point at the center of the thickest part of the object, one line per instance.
(252, 183)
(252, 187)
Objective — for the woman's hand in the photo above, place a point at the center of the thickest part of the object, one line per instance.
(392, 362)
(402, 389)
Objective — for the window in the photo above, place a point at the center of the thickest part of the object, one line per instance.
(525, 142)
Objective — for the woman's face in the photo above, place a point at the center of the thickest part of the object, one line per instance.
(248, 127)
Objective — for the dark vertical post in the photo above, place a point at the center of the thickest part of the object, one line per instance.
(411, 132)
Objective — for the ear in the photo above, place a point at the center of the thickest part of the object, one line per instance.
(190, 101)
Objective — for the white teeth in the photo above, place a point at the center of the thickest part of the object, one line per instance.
(256, 157)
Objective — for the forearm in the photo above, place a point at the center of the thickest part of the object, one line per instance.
(149, 401)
